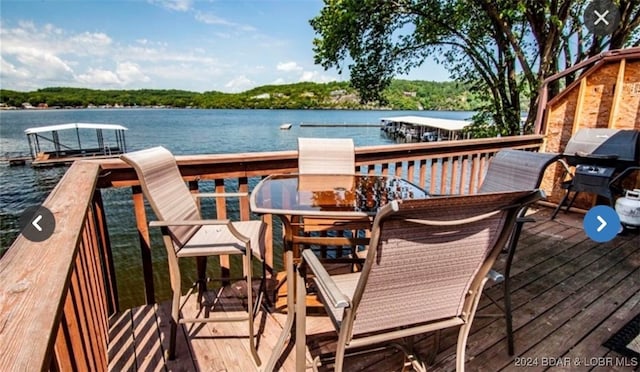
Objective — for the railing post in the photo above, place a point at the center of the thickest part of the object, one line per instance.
(221, 213)
(145, 244)
(106, 255)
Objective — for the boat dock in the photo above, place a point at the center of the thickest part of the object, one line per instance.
(48, 146)
(338, 125)
(423, 129)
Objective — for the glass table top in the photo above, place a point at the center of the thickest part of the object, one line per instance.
(330, 194)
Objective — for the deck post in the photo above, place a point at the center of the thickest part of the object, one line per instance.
(145, 244)
(221, 213)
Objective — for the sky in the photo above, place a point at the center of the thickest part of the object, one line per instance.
(195, 45)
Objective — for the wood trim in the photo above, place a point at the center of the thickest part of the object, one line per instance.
(592, 65)
(582, 92)
(617, 94)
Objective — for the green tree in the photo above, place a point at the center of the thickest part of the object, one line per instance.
(500, 48)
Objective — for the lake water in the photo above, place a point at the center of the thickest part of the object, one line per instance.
(182, 132)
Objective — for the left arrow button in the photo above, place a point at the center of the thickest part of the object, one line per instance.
(37, 223)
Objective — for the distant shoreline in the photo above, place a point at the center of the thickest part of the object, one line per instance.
(401, 95)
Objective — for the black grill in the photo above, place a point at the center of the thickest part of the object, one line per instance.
(601, 157)
(605, 147)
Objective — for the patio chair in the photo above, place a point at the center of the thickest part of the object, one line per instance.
(186, 234)
(513, 170)
(326, 156)
(330, 156)
(424, 271)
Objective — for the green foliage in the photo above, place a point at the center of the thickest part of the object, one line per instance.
(402, 95)
(502, 50)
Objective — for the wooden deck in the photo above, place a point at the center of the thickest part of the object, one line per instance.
(570, 295)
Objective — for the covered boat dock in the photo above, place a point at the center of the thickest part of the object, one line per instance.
(423, 129)
(57, 149)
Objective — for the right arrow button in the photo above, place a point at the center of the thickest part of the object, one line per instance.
(601, 223)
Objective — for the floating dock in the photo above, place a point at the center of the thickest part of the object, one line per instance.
(16, 160)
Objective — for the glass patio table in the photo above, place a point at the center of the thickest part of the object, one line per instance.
(335, 196)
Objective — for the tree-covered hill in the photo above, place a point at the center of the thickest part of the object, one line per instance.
(401, 95)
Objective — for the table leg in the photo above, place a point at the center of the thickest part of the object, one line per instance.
(301, 312)
(288, 324)
(291, 279)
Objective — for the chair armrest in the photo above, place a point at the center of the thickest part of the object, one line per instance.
(328, 287)
(220, 194)
(567, 169)
(226, 223)
(525, 219)
(188, 223)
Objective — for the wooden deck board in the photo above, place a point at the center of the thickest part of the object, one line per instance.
(569, 295)
(148, 349)
(122, 356)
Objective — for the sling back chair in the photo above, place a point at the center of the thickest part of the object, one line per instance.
(186, 234)
(335, 156)
(513, 170)
(424, 271)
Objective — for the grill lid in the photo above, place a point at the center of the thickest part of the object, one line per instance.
(605, 144)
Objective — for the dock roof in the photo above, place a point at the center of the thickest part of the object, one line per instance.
(446, 124)
(50, 128)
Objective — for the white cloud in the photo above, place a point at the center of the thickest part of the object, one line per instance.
(239, 84)
(178, 5)
(98, 39)
(316, 77)
(34, 56)
(86, 44)
(126, 73)
(99, 77)
(42, 64)
(212, 19)
(10, 71)
(288, 66)
(129, 72)
(295, 73)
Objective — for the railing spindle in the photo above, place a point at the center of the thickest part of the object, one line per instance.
(106, 256)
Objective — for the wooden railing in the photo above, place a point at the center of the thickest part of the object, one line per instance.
(57, 295)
